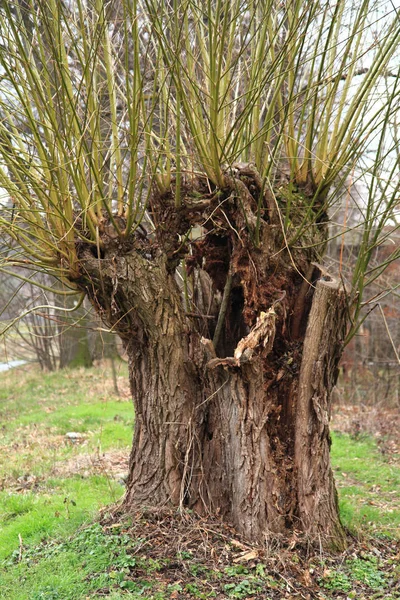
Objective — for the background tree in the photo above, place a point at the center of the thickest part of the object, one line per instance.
(176, 163)
(41, 322)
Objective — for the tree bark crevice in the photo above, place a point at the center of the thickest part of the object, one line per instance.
(239, 430)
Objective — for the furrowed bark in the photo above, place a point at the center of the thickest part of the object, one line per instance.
(317, 499)
(141, 300)
(239, 428)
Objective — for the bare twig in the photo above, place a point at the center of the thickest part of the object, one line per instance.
(223, 309)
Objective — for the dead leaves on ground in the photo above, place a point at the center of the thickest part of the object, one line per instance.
(205, 555)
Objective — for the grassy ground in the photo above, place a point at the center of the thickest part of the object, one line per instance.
(52, 485)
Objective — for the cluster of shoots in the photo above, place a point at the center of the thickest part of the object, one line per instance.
(103, 102)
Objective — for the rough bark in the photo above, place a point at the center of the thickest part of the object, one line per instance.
(317, 498)
(239, 426)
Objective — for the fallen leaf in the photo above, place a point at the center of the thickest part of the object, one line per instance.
(246, 556)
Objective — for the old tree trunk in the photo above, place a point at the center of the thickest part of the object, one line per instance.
(233, 342)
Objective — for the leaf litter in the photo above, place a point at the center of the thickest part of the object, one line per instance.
(205, 558)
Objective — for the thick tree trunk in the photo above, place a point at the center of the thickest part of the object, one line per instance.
(230, 420)
(243, 436)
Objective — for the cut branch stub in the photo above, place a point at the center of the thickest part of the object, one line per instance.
(317, 498)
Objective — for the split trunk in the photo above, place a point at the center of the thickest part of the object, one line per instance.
(233, 348)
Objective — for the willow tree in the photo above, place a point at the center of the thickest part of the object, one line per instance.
(176, 162)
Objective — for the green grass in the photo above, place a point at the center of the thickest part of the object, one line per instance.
(37, 410)
(68, 569)
(51, 550)
(61, 401)
(368, 486)
(356, 571)
(41, 497)
(57, 510)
